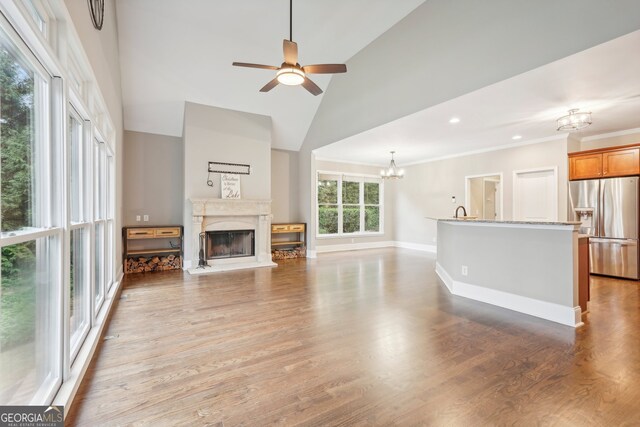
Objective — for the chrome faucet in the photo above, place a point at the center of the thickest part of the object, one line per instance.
(464, 211)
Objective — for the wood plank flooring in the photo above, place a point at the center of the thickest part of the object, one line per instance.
(355, 338)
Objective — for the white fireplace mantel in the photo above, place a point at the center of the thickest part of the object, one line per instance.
(230, 207)
(229, 214)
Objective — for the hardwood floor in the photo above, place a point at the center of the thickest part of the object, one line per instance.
(356, 338)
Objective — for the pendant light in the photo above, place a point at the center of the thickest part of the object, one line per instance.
(392, 172)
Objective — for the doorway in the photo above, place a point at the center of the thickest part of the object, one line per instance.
(483, 196)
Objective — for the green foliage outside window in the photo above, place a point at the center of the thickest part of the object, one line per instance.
(352, 194)
(17, 296)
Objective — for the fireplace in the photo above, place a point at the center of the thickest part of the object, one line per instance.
(224, 216)
(230, 244)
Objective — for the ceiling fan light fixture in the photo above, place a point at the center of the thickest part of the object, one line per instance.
(290, 76)
(574, 120)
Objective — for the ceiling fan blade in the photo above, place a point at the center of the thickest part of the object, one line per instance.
(325, 68)
(311, 87)
(247, 64)
(273, 83)
(290, 52)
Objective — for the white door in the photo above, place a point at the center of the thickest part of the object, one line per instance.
(535, 195)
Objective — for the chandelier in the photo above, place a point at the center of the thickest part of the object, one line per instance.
(392, 172)
(574, 120)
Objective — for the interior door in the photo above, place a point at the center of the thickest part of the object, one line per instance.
(535, 195)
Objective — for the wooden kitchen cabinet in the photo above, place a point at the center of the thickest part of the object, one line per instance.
(605, 163)
(621, 162)
(585, 166)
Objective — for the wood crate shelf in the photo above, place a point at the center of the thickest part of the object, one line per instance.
(154, 248)
(289, 234)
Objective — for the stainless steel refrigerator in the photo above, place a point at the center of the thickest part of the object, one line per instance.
(608, 211)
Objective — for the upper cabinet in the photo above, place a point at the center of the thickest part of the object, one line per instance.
(621, 162)
(610, 162)
(585, 166)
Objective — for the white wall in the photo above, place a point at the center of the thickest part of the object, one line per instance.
(154, 176)
(427, 188)
(284, 186)
(221, 135)
(389, 195)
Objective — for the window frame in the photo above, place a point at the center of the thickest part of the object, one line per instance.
(48, 223)
(76, 109)
(361, 179)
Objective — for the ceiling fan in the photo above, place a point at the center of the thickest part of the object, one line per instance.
(290, 72)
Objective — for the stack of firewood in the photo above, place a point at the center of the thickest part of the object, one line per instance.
(156, 263)
(298, 252)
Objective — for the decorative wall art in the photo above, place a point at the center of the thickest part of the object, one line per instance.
(230, 186)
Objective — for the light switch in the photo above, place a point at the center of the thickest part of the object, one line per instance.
(146, 217)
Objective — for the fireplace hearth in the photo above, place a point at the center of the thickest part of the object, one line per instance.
(230, 244)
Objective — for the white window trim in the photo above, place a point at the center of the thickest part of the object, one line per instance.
(341, 234)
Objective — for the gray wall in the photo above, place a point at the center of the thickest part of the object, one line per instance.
(389, 211)
(427, 188)
(154, 176)
(222, 135)
(284, 186)
(101, 48)
(531, 262)
(445, 49)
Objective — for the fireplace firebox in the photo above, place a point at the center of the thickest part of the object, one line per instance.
(230, 244)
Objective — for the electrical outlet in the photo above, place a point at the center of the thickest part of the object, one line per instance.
(465, 270)
(138, 218)
(146, 217)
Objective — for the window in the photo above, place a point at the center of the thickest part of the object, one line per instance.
(31, 236)
(80, 228)
(348, 204)
(57, 224)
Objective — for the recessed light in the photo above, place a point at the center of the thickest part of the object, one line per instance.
(454, 120)
(516, 137)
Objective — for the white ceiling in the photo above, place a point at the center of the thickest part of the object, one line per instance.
(604, 79)
(177, 51)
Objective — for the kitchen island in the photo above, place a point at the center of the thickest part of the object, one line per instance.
(529, 267)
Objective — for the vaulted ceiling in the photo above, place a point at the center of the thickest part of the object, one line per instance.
(506, 67)
(177, 51)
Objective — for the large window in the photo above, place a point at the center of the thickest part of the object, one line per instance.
(57, 215)
(31, 233)
(348, 204)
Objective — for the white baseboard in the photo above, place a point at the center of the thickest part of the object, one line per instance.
(354, 246)
(570, 316)
(417, 246)
(312, 254)
(374, 245)
(186, 264)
